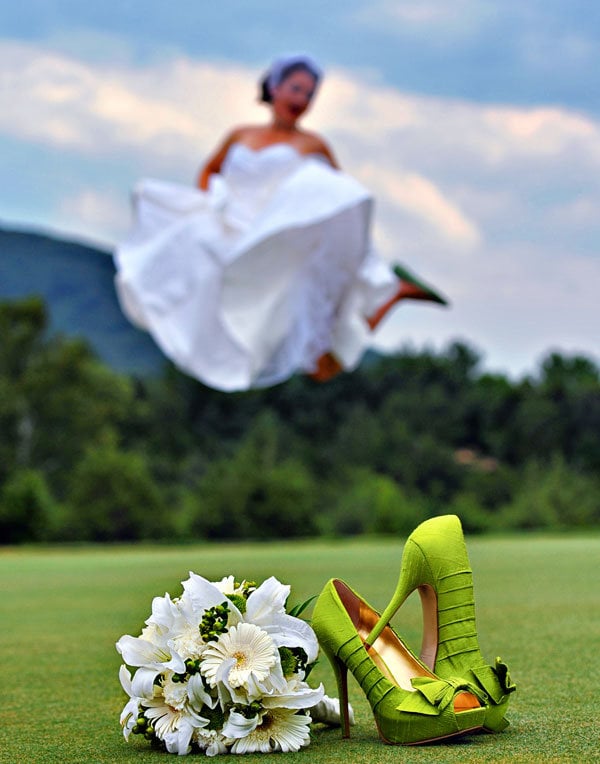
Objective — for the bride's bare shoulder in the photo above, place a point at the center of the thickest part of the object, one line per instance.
(313, 143)
(246, 134)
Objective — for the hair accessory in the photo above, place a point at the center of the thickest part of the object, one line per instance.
(278, 68)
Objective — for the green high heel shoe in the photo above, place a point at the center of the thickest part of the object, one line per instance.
(410, 704)
(429, 293)
(435, 562)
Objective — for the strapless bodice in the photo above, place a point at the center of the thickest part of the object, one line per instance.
(253, 175)
(245, 160)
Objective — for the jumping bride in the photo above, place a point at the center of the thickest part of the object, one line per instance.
(266, 269)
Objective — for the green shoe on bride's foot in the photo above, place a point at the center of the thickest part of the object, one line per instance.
(435, 562)
(410, 703)
(426, 292)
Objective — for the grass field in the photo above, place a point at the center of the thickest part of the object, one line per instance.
(61, 611)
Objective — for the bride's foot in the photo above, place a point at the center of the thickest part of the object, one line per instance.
(327, 367)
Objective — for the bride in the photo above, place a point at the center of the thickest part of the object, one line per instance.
(266, 268)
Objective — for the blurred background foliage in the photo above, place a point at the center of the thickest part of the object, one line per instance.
(89, 454)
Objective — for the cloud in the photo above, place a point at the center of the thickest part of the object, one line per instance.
(421, 198)
(160, 110)
(90, 214)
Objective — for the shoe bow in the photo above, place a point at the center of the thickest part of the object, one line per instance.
(432, 695)
(494, 680)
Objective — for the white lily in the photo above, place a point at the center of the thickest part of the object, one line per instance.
(179, 740)
(297, 694)
(289, 631)
(237, 725)
(227, 586)
(266, 608)
(164, 612)
(203, 594)
(130, 712)
(197, 694)
(140, 652)
(269, 598)
(143, 682)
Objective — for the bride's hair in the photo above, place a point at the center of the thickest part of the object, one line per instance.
(281, 70)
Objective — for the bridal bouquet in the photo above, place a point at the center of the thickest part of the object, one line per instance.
(221, 669)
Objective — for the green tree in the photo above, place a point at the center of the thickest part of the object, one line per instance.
(553, 495)
(258, 492)
(27, 510)
(113, 497)
(367, 502)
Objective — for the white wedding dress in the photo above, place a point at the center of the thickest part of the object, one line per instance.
(253, 280)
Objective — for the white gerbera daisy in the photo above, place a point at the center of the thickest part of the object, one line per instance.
(280, 729)
(241, 655)
(164, 718)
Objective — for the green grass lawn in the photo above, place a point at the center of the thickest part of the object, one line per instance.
(61, 611)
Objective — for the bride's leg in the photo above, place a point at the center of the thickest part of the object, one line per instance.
(410, 289)
(406, 291)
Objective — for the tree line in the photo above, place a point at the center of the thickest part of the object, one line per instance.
(88, 454)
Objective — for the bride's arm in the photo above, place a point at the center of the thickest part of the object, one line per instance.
(319, 146)
(214, 162)
(328, 154)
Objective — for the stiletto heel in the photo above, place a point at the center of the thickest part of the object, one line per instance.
(435, 562)
(410, 703)
(341, 677)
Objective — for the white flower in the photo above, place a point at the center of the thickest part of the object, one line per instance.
(241, 657)
(197, 694)
(269, 598)
(173, 718)
(200, 595)
(211, 742)
(280, 729)
(266, 608)
(239, 663)
(164, 611)
(175, 693)
(188, 642)
(130, 713)
(295, 694)
(238, 725)
(179, 740)
(143, 683)
(139, 652)
(227, 586)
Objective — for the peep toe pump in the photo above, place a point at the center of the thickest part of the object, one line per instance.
(435, 562)
(410, 703)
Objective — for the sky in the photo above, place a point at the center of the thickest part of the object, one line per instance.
(476, 125)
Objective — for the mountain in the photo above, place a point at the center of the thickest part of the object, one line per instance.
(77, 284)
